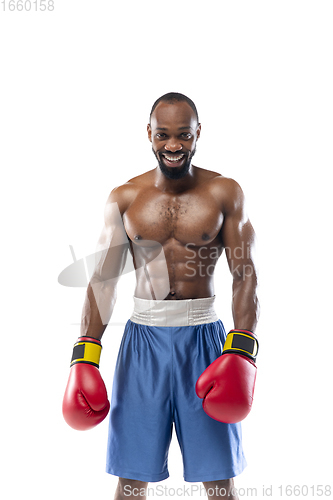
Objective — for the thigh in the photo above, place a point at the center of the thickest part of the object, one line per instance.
(211, 450)
(140, 418)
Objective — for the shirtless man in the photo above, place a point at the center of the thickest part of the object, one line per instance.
(174, 222)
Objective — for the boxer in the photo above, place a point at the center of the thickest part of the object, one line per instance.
(176, 366)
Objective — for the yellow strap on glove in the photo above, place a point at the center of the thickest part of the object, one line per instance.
(87, 350)
(241, 342)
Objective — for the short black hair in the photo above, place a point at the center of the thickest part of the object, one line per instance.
(174, 97)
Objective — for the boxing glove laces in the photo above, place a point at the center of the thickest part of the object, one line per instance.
(85, 402)
(227, 385)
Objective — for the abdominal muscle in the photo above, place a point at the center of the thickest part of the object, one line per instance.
(178, 273)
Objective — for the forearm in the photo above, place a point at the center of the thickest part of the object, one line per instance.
(245, 305)
(97, 309)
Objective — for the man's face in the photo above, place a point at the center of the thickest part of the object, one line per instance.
(173, 132)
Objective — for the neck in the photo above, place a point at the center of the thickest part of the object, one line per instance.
(175, 185)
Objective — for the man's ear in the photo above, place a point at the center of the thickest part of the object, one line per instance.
(198, 130)
(149, 131)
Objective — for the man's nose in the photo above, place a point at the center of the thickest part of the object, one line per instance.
(173, 145)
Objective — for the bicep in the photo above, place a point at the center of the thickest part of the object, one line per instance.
(113, 244)
(238, 237)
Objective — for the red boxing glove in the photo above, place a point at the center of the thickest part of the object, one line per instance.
(85, 402)
(227, 385)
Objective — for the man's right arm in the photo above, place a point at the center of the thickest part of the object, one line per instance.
(85, 402)
(111, 254)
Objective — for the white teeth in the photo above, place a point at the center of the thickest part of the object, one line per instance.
(170, 158)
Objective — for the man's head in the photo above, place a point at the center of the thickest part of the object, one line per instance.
(173, 130)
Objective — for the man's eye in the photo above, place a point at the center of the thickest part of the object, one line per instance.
(187, 136)
(160, 136)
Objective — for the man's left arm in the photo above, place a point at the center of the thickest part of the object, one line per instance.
(239, 242)
(227, 385)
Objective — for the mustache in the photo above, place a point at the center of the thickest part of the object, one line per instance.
(172, 155)
(188, 154)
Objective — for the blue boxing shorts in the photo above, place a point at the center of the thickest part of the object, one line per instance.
(166, 346)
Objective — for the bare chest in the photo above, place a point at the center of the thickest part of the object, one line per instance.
(188, 218)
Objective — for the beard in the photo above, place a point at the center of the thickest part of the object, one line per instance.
(175, 172)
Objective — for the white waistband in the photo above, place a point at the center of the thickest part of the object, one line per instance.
(174, 312)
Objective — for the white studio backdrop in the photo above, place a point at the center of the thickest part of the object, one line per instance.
(77, 83)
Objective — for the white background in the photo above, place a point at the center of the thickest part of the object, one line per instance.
(76, 88)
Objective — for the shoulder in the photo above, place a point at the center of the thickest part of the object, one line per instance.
(125, 194)
(120, 199)
(227, 193)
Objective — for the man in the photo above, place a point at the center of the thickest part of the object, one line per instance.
(175, 220)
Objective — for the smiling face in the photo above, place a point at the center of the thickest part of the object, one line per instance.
(173, 132)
